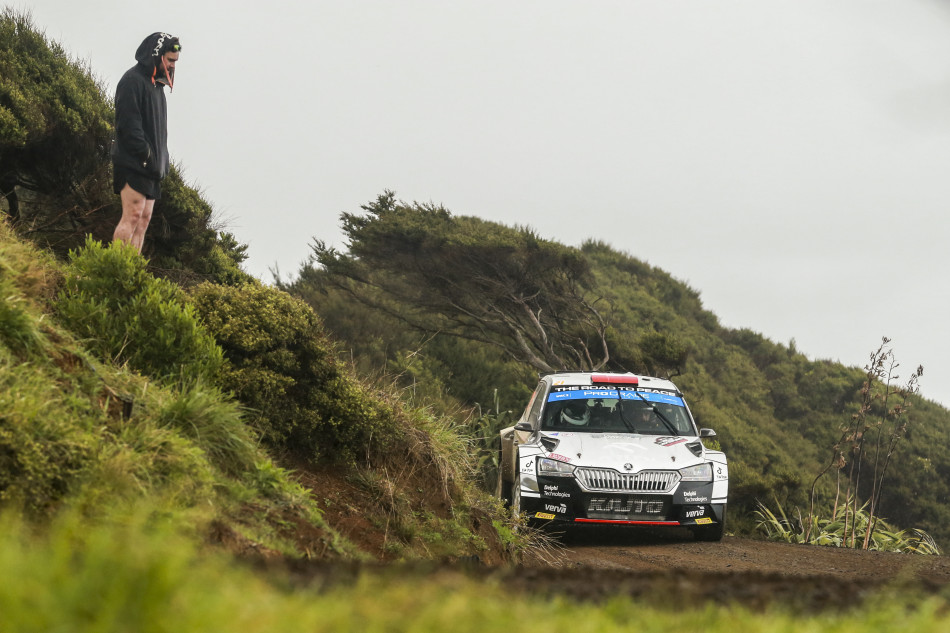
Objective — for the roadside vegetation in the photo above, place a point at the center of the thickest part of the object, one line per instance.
(175, 435)
(868, 442)
(142, 575)
(777, 413)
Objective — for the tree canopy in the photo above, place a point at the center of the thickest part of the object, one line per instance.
(55, 119)
(530, 297)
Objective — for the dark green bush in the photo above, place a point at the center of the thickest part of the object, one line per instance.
(44, 438)
(283, 367)
(128, 316)
(183, 241)
(55, 121)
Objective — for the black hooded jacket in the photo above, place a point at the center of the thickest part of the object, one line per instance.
(141, 132)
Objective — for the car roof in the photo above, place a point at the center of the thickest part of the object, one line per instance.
(583, 378)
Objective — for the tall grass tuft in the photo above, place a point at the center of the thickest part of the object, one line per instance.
(485, 428)
(19, 330)
(215, 424)
(812, 529)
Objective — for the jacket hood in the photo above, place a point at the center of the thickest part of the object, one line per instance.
(150, 51)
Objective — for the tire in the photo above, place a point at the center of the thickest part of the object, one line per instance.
(502, 487)
(711, 533)
(516, 497)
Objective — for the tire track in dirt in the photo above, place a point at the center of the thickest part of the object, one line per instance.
(596, 565)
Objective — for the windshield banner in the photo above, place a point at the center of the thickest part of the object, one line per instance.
(587, 393)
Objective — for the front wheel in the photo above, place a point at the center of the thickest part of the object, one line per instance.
(711, 533)
(502, 489)
(516, 497)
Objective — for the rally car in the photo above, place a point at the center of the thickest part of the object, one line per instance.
(617, 449)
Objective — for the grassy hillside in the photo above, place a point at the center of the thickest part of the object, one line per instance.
(114, 397)
(778, 414)
(177, 378)
(166, 421)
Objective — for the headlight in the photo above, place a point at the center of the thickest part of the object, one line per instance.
(699, 472)
(554, 468)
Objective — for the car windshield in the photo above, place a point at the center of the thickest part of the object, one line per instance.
(594, 411)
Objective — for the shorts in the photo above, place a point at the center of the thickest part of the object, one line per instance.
(146, 186)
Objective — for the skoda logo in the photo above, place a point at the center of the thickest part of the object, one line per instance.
(628, 466)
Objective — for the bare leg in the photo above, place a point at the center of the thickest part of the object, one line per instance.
(136, 214)
(138, 236)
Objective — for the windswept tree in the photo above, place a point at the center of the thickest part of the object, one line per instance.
(55, 125)
(477, 280)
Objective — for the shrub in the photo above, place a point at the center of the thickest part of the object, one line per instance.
(128, 316)
(282, 366)
(184, 240)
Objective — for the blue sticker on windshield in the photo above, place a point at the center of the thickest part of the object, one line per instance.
(625, 394)
(652, 396)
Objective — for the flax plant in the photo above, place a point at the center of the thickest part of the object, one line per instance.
(811, 529)
(872, 434)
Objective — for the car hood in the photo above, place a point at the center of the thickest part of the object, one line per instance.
(624, 452)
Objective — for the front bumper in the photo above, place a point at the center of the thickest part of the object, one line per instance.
(562, 500)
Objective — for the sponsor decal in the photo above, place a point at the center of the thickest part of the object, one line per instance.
(720, 474)
(622, 505)
(560, 508)
(670, 441)
(691, 497)
(625, 393)
(560, 458)
(703, 521)
(528, 466)
(554, 491)
(694, 513)
(543, 515)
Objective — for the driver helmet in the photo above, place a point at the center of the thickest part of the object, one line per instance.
(575, 413)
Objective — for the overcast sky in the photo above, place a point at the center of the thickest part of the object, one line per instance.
(787, 159)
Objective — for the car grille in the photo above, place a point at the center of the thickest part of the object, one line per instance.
(613, 481)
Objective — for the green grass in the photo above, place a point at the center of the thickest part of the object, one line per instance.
(138, 573)
(846, 530)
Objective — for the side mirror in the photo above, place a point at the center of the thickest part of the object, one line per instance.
(704, 433)
(524, 426)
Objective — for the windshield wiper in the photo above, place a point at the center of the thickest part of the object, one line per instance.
(626, 422)
(663, 418)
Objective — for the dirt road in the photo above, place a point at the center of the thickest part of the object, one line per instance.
(596, 565)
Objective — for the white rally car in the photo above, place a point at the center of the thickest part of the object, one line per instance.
(609, 448)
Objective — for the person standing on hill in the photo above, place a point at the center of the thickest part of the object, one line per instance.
(139, 153)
